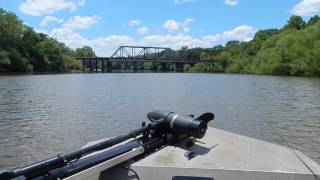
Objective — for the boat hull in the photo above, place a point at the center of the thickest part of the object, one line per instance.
(219, 155)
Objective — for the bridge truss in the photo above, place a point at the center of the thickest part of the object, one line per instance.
(143, 53)
(139, 54)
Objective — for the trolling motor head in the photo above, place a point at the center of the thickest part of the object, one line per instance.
(188, 125)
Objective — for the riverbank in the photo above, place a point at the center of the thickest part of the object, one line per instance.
(41, 73)
(290, 50)
(146, 72)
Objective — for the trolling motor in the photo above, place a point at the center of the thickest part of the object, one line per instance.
(148, 138)
(184, 125)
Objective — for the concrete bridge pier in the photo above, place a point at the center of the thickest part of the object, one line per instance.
(164, 66)
(126, 65)
(135, 67)
(171, 67)
(154, 67)
(179, 67)
(96, 65)
(83, 66)
(102, 66)
(90, 66)
(109, 66)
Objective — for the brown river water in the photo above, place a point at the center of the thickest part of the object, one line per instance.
(43, 115)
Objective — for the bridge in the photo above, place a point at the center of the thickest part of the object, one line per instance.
(136, 56)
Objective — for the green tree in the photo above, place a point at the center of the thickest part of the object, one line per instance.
(295, 22)
(24, 50)
(85, 51)
(10, 30)
(313, 20)
(4, 60)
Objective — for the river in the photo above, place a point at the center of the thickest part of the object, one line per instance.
(43, 115)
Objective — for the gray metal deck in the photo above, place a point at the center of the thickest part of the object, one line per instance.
(226, 156)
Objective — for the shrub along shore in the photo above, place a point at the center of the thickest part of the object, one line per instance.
(292, 50)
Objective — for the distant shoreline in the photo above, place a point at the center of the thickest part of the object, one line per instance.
(142, 72)
(40, 73)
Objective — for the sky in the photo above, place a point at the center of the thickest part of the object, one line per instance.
(104, 24)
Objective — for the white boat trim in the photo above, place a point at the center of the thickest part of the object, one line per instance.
(221, 155)
(94, 172)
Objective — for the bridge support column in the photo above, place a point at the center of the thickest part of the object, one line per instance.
(154, 67)
(126, 65)
(170, 67)
(96, 68)
(109, 66)
(179, 67)
(164, 67)
(83, 66)
(134, 64)
(90, 65)
(102, 66)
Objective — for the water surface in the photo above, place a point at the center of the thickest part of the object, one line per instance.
(42, 115)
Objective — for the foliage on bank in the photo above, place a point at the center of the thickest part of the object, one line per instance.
(24, 50)
(292, 50)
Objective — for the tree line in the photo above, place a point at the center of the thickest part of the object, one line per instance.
(291, 50)
(24, 50)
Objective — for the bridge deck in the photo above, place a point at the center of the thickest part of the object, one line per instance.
(135, 60)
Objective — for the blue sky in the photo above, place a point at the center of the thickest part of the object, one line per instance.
(105, 24)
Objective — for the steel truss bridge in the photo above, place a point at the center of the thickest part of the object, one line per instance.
(138, 54)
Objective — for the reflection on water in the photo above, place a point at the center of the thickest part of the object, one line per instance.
(43, 115)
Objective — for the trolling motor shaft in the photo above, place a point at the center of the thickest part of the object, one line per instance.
(162, 124)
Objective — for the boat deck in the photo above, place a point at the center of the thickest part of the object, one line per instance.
(223, 155)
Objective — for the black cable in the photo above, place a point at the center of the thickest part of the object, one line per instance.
(293, 150)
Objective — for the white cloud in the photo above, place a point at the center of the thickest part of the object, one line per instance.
(49, 19)
(175, 41)
(212, 38)
(307, 8)
(241, 33)
(182, 1)
(231, 2)
(134, 22)
(45, 7)
(103, 46)
(69, 37)
(186, 24)
(42, 31)
(113, 40)
(173, 25)
(81, 22)
(143, 30)
(106, 45)
(81, 2)
(187, 21)
(186, 29)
